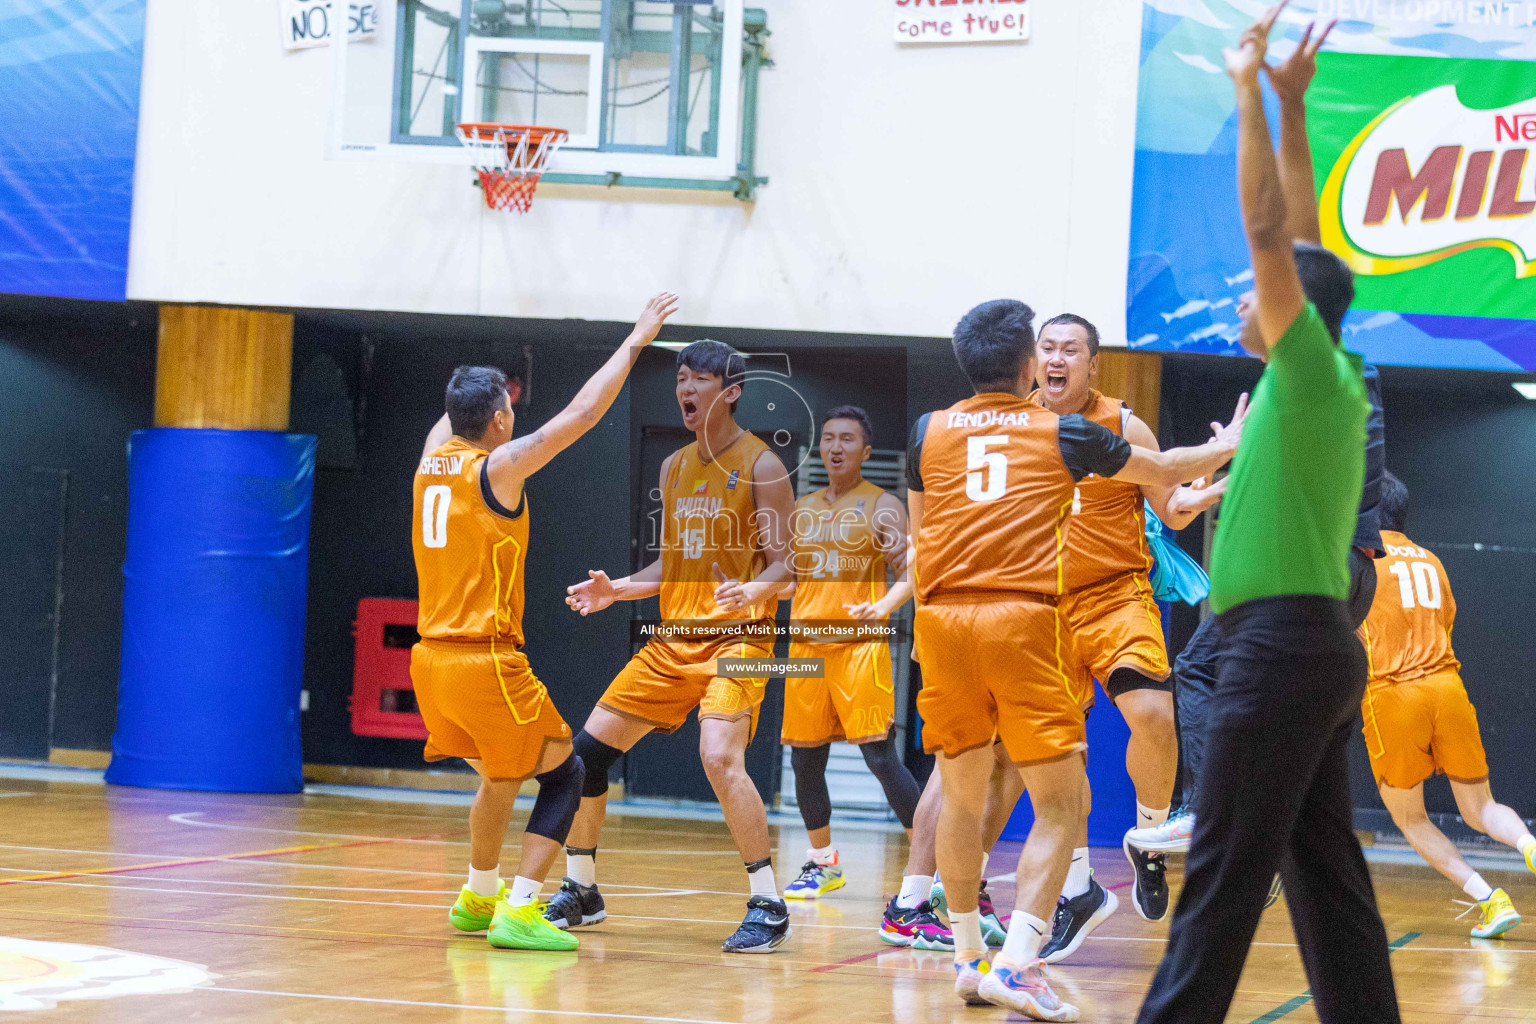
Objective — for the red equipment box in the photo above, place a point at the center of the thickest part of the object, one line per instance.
(383, 700)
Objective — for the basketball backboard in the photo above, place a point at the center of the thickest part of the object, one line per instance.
(646, 88)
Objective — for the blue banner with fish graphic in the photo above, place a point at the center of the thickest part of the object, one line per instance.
(1422, 120)
(69, 72)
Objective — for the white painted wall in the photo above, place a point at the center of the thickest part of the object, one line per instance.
(908, 183)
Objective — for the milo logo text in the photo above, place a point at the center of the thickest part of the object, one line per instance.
(1429, 178)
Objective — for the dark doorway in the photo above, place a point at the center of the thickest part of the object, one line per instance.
(31, 554)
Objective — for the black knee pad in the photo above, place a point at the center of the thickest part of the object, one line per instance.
(901, 789)
(559, 796)
(1124, 680)
(810, 765)
(598, 758)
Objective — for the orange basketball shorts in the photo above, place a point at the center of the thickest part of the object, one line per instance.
(483, 704)
(855, 700)
(998, 668)
(1418, 727)
(668, 679)
(1115, 623)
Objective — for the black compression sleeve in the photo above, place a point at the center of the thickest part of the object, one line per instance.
(915, 454)
(1088, 448)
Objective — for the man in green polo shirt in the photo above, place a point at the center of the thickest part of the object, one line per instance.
(1275, 792)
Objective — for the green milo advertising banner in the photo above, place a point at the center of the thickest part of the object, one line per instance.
(1422, 121)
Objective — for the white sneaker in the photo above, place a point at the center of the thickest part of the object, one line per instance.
(1172, 836)
(1025, 990)
(968, 977)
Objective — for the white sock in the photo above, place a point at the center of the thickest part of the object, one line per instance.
(762, 882)
(984, 858)
(826, 856)
(1146, 817)
(1477, 888)
(914, 889)
(967, 932)
(1524, 845)
(582, 867)
(485, 883)
(1078, 875)
(1026, 934)
(523, 892)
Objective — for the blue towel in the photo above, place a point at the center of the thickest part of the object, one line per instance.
(1175, 576)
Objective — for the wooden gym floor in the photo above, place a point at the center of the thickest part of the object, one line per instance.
(334, 908)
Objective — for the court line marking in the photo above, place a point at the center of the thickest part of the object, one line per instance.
(183, 819)
(304, 899)
(1297, 1002)
(464, 1006)
(659, 891)
(422, 941)
(184, 862)
(222, 858)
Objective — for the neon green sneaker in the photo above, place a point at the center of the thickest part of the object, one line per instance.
(1528, 850)
(1499, 916)
(815, 880)
(472, 912)
(525, 928)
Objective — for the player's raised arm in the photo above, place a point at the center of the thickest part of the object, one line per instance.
(1087, 447)
(773, 497)
(1275, 281)
(438, 436)
(1176, 506)
(517, 460)
(1297, 181)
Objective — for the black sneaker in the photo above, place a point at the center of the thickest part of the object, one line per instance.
(763, 930)
(1075, 920)
(1149, 893)
(575, 905)
(1275, 891)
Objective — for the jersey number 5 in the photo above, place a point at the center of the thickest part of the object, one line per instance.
(1417, 578)
(434, 515)
(986, 476)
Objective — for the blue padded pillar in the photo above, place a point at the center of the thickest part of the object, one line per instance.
(213, 610)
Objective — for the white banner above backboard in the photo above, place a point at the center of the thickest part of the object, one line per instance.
(961, 21)
(308, 22)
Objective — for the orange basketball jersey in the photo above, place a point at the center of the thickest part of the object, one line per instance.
(469, 556)
(836, 552)
(708, 518)
(996, 499)
(1407, 634)
(1107, 534)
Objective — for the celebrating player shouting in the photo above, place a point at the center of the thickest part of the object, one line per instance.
(990, 485)
(724, 559)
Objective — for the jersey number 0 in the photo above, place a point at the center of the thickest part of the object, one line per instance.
(434, 515)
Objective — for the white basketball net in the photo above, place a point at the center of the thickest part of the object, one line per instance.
(510, 159)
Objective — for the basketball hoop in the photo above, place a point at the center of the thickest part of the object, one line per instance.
(510, 159)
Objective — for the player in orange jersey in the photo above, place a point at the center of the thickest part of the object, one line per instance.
(477, 694)
(1418, 720)
(724, 559)
(1110, 609)
(843, 537)
(990, 487)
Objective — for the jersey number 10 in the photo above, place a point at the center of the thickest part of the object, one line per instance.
(1417, 578)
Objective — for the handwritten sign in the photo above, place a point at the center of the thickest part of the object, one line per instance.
(961, 21)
